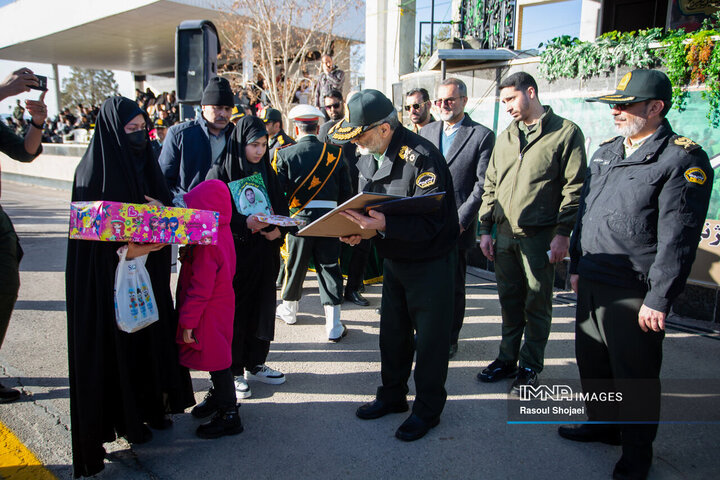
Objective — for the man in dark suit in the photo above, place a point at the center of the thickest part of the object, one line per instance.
(301, 169)
(466, 146)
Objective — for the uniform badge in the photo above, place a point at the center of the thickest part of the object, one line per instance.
(425, 180)
(624, 81)
(686, 143)
(403, 152)
(695, 175)
(281, 140)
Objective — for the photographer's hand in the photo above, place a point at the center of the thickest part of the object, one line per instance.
(18, 82)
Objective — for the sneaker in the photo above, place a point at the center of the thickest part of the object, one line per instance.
(242, 389)
(205, 408)
(223, 423)
(525, 376)
(497, 370)
(265, 374)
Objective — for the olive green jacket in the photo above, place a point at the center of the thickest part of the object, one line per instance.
(539, 185)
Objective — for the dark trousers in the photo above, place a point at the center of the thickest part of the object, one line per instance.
(614, 354)
(10, 255)
(525, 284)
(325, 253)
(356, 267)
(417, 297)
(223, 389)
(459, 311)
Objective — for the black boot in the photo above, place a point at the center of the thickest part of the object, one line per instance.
(225, 422)
(207, 407)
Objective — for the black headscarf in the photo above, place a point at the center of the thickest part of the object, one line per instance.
(109, 170)
(234, 166)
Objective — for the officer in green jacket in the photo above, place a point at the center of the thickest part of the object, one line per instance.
(532, 192)
(277, 138)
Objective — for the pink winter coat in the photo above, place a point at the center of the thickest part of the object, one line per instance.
(205, 299)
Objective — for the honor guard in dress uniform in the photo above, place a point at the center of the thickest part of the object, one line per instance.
(643, 205)
(420, 257)
(277, 138)
(315, 179)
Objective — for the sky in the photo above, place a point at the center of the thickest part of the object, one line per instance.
(540, 24)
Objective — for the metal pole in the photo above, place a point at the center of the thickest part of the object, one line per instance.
(432, 25)
(420, 47)
(442, 69)
(56, 84)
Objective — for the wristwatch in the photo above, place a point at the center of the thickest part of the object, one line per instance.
(32, 122)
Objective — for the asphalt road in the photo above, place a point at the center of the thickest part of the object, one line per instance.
(306, 428)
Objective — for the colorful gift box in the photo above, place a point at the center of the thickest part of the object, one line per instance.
(142, 223)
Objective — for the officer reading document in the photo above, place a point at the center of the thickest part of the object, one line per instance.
(420, 253)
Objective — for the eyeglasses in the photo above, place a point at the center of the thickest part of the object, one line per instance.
(415, 106)
(449, 101)
(620, 106)
(333, 105)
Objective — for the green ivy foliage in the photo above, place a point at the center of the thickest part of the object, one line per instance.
(690, 58)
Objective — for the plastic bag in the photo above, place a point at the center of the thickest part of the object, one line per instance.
(135, 306)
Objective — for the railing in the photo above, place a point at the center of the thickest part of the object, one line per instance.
(490, 22)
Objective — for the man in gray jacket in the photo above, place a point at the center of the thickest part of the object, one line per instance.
(466, 146)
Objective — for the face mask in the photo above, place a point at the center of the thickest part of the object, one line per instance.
(138, 141)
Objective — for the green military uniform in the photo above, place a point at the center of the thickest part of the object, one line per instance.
(532, 189)
(315, 179)
(279, 141)
(10, 251)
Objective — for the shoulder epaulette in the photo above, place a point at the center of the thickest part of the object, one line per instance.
(608, 140)
(685, 143)
(408, 154)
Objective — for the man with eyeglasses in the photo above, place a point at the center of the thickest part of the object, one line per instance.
(532, 190)
(354, 286)
(642, 209)
(417, 105)
(277, 138)
(420, 256)
(466, 146)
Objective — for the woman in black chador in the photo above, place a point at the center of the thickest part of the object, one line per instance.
(119, 382)
(257, 248)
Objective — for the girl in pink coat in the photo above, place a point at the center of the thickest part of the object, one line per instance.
(206, 306)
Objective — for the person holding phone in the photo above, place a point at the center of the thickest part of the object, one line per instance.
(23, 150)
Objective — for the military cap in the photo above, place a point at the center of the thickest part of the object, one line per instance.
(271, 115)
(306, 113)
(160, 123)
(237, 112)
(364, 110)
(638, 86)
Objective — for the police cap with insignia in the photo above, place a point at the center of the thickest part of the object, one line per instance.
(238, 111)
(271, 115)
(639, 86)
(365, 110)
(305, 114)
(160, 123)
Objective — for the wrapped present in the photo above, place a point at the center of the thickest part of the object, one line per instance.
(142, 223)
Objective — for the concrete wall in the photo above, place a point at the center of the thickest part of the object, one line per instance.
(54, 167)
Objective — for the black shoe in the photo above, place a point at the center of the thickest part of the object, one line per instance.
(144, 436)
(7, 394)
(633, 467)
(355, 297)
(497, 370)
(207, 407)
(342, 335)
(379, 408)
(162, 423)
(453, 350)
(225, 422)
(414, 428)
(525, 376)
(591, 433)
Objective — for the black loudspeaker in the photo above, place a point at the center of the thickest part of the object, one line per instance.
(196, 50)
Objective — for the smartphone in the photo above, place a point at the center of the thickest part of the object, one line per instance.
(42, 83)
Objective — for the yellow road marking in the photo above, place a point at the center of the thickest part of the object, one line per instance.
(17, 462)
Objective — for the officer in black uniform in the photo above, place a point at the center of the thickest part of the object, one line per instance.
(315, 179)
(277, 138)
(420, 253)
(643, 205)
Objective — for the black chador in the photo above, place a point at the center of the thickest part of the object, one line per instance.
(119, 382)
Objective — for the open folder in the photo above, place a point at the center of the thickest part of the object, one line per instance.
(332, 224)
